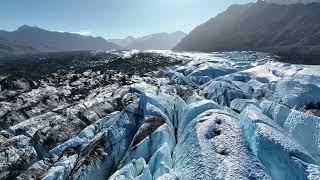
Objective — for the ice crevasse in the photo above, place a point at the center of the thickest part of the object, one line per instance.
(237, 115)
(239, 124)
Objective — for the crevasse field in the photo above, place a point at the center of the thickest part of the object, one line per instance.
(234, 115)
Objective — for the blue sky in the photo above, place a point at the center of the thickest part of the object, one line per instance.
(111, 18)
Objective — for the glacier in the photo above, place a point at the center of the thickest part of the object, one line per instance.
(227, 115)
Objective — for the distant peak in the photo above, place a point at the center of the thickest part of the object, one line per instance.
(179, 32)
(130, 37)
(26, 27)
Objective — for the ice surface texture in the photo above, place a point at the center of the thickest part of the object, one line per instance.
(234, 115)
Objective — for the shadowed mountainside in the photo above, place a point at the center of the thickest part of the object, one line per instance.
(291, 1)
(262, 26)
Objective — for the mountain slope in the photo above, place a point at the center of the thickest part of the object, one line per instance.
(257, 26)
(291, 1)
(49, 41)
(160, 41)
(123, 42)
(10, 47)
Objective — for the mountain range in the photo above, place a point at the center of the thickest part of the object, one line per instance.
(160, 41)
(28, 39)
(291, 30)
(123, 42)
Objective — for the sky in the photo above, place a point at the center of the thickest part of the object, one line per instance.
(111, 18)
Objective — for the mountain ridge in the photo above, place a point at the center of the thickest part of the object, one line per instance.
(160, 41)
(42, 40)
(292, 1)
(260, 26)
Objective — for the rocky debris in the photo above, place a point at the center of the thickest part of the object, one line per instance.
(152, 123)
(16, 155)
(68, 82)
(35, 171)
